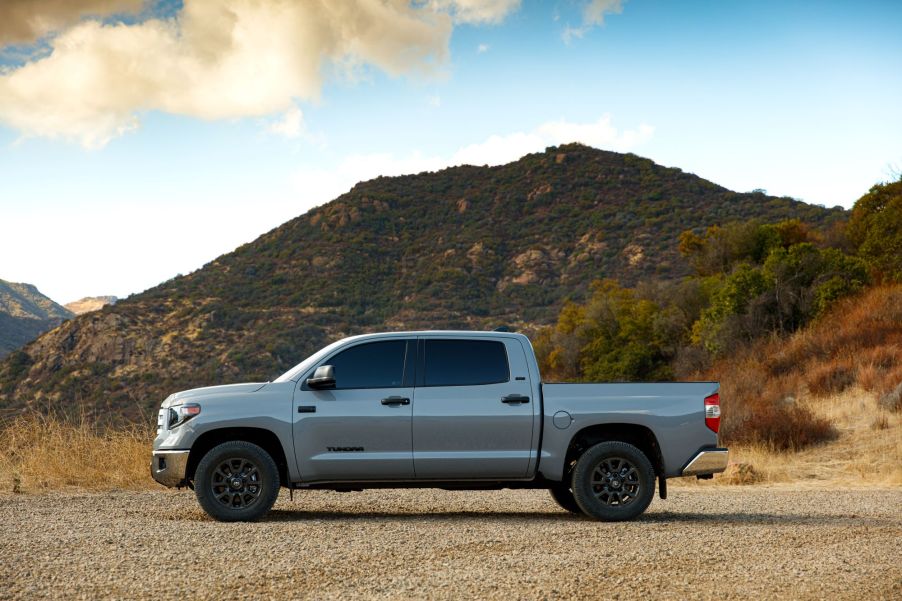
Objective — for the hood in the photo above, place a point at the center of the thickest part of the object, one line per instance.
(211, 391)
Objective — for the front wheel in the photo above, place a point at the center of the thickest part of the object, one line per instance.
(613, 481)
(236, 481)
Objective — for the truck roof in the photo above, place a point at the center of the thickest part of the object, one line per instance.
(453, 333)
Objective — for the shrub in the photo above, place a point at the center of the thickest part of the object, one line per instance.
(831, 378)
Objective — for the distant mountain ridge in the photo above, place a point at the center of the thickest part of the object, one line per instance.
(90, 303)
(465, 247)
(25, 313)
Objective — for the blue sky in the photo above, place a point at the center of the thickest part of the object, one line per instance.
(108, 187)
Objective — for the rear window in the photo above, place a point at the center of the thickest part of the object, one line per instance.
(465, 363)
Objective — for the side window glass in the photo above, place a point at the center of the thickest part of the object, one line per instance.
(465, 362)
(370, 365)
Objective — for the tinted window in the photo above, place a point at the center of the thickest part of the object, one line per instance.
(465, 362)
(370, 365)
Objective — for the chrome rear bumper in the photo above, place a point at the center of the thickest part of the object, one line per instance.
(709, 461)
(168, 467)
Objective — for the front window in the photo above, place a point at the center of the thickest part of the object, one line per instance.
(370, 365)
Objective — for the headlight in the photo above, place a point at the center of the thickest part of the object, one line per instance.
(179, 415)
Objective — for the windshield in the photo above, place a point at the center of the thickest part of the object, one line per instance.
(299, 369)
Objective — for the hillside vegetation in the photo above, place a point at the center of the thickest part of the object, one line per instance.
(25, 313)
(837, 383)
(466, 247)
(741, 319)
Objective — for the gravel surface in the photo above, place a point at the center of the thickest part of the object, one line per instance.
(750, 543)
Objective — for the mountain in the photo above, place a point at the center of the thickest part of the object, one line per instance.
(90, 303)
(25, 313)
(465, 247)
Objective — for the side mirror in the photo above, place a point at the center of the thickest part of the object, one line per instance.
(323, 377)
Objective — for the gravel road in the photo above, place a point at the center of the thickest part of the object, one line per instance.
(737, 543)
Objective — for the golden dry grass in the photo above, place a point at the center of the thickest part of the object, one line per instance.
(40, 453)
(867, 451)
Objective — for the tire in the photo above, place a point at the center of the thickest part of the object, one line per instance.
(613, 481)
(563, 496)
(236, 481)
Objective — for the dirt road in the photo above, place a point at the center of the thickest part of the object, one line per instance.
(738, 543)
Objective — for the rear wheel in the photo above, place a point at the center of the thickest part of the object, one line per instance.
(236, 481)
(563, 496)
(613, 481)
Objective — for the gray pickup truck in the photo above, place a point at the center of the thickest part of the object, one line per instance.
(452, 410)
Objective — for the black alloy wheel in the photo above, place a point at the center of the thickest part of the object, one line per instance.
(613, 481)
(236, 481)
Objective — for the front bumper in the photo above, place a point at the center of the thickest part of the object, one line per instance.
(168, 467)
(707, 462)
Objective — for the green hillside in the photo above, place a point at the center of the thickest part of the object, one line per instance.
(466, 247)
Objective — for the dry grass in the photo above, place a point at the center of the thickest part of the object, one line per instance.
(867, 450)
(39, 453)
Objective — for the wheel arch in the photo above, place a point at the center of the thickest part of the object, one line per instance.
(639, 436)
(263, 438)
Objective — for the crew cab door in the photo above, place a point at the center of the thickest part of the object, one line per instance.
(473, 413)
(361, 428)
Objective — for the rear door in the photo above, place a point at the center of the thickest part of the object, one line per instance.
(472, 410)
(361, 429)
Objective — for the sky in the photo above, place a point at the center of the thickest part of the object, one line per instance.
(140, 139)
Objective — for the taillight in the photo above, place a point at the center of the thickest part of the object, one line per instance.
(712, 412)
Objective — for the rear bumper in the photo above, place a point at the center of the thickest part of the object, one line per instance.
(707, 462)
(168, 467)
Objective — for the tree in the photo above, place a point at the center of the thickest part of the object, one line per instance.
(875, 229)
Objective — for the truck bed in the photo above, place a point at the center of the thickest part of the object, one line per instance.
(674, 411)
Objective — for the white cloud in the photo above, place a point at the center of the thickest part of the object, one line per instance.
(497, 149)
(291, 125)
(482, 48)
(435, 101)
(322, 185)
(217, 60)
(594, 13)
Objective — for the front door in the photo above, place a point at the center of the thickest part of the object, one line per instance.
(473, 415)
(361, 429)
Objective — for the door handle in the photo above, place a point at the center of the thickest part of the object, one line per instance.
(513, 399)
(396, 400)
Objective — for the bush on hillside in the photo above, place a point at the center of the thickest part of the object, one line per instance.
(875, 228)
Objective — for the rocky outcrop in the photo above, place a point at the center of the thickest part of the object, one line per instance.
(90, 303)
